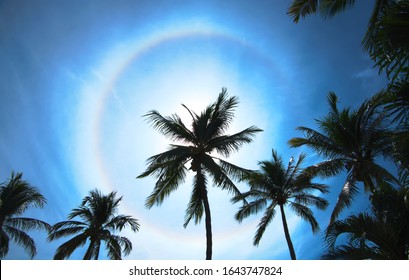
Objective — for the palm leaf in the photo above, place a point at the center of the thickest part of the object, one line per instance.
(65, 250)
(302, 8)
(22, 239)
(226, 144)
(172, 127)
(250, 208)
(195, 207)
(264, 222)
(306, 214)
(119, 222)
(27, 223)
(348, 192)
(220, 174)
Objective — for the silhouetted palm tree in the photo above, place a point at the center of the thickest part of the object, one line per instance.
(277, 185)
(382, 235)
(16, 196)
(100, 221)
(368, 238)
(199, 146)
(350, 141)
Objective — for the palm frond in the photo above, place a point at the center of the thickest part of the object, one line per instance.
(27, 223)
(302, 8)
(226, 144)
(65, 250)
(4, 244)
(22, 239)
(119, 222)
(317, 141)
(172, 126)
(330, 8)
(195, 207)
(264, 222)
(220, 173)
(250, 208)
(175, 156)
(307, 199)
(306, 214)
(169, 180)
(113, 246)
(326, 169)
(367, 232)
(65, 232)
(348, 192)
(222, 113)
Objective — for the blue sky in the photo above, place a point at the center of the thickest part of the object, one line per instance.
(77, 76)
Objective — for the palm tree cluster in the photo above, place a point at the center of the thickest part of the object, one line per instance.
(97, 212)
(350, 142)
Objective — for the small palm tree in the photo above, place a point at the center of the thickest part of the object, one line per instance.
(279, 185)
(100, 221)
(198, 146)
(350, 141)
(16, 196)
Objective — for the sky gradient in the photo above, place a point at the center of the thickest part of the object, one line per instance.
(77, 77)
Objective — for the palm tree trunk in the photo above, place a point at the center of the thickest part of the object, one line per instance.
(208, 227)
(287, 234)
(208, 219)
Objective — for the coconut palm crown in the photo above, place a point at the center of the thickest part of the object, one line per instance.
(196, 150)
(16, 196)
(99, 222)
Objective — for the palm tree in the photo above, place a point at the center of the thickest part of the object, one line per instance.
(350, 141)
(368, 238)
(16, 196)
(386, 38)
(197, 146)
(100, 221)
(278, 185)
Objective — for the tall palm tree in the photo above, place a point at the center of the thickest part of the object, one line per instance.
(16, 196)
(100, 221)
(279, 185)
(386, 38)
(198, 146)
(350, 141)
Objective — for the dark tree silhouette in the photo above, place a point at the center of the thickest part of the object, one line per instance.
(16, 196)
(277, 185)
(99, 222)
(350, 141)
(199, 147)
